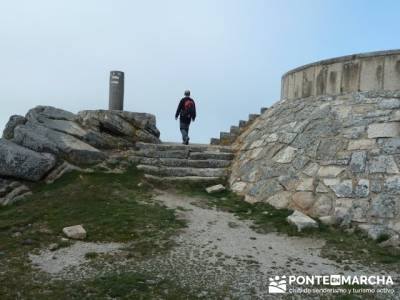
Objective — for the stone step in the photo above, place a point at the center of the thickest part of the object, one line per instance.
(182, 172)
(252, 117)
(226, 138)
(211, 180)
(184, 154)
(186, 163)
(235, 130)
(214, 141)
(211, 155)
(242, 123)
(180, 147)
(181, 154)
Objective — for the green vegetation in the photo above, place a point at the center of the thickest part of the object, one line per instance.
(125, 285)
(111, 207)
(91, 255)
(339, 246)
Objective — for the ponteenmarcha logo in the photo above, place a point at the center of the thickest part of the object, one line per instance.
(277, 285)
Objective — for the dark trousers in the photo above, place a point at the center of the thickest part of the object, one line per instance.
(184, 126)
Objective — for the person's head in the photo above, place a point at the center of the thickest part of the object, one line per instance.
(187, 93)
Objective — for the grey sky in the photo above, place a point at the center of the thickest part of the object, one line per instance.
(230, 54)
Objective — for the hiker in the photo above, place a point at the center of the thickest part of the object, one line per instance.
(187, 112)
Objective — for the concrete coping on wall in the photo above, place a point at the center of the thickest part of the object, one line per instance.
(351, 73)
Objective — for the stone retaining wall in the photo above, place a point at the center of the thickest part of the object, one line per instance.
(353, 73)
(335, 156)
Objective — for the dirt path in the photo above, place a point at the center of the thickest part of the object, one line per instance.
(218, 255)
(218, 250)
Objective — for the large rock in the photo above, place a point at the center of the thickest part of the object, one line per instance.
(13, 122)
(38, 113)
(19, 162)
(90, 136)
(42, 139)
(137, 126)
(101, 129)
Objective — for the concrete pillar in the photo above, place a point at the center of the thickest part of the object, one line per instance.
(116, 101)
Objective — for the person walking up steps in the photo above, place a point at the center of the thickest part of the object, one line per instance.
(187, 113)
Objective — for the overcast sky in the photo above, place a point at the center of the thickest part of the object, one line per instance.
(229, 53)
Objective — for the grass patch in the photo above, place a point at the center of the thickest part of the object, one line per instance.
(136, 286)
(339, 244)
(111, 208)
(124, 285)
(91, 255)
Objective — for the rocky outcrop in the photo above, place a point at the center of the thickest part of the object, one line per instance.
(131, 126)
(12, 191)
(19, 162)
(44, 139)
(49, 141)
(325, 156)
(14, 121)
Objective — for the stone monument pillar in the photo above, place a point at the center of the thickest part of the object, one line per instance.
(116, 101)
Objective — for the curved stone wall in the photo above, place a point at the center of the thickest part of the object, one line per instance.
(352, 73)
(334, 152)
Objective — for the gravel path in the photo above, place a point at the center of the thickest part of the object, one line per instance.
(216, 255)
(56, 262)
(217, 250)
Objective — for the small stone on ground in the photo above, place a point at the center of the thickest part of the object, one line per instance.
(76, 232)
(301, 221)
(215, 189)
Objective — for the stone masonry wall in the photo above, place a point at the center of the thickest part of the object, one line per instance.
(326, 156)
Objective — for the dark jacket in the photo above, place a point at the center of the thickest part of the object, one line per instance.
(180, 108)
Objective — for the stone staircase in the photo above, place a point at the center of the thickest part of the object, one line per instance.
(177, 162)
(227, 138)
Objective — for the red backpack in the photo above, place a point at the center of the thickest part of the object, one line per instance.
(188, 108)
